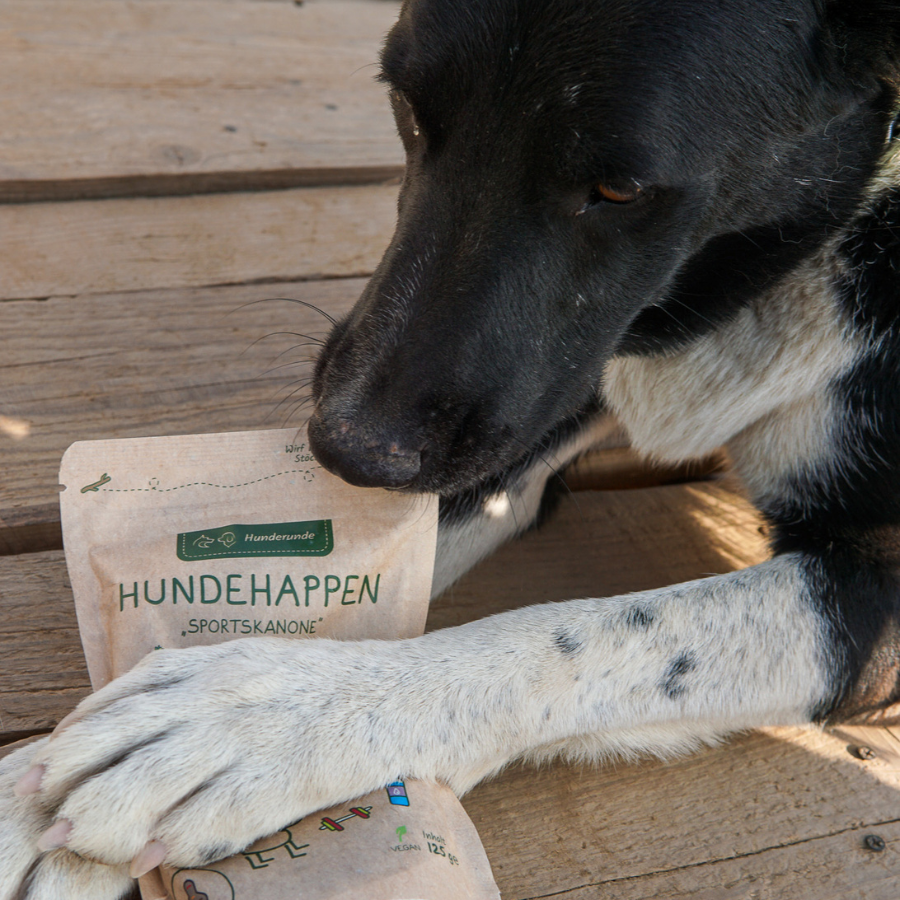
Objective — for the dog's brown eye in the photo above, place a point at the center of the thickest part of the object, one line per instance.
(602, 192)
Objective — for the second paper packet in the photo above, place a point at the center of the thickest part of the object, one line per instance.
(197, 539)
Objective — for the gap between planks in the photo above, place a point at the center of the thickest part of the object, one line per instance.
(106, 246)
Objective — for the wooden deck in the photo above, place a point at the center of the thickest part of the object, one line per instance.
(164, 163)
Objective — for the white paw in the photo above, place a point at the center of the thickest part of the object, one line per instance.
(24, 873)
(208, 749)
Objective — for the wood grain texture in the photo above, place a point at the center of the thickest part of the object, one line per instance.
(107, 98)
(43, 674)
(101, 246)
(753, 819)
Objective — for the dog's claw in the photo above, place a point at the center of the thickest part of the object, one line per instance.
(56, 836)
(153, 854)
(30, 782)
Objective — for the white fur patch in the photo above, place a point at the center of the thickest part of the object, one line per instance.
(778, 353)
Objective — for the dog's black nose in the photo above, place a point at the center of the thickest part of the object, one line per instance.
(361, 456)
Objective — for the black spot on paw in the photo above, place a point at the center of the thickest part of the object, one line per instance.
(673, 684)
(639, 618)
(566, 642)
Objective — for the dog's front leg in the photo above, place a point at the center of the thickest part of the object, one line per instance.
(205, 750)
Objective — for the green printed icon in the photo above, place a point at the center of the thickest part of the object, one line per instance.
(104, 479)
(400, 832)
(263, 852)
(313, 538)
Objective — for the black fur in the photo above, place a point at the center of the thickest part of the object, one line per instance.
(592, 177)
(673, 685)
(566, 642)
(846, 519)
(639, 618)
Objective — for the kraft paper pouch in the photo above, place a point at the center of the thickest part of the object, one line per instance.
(178, 541)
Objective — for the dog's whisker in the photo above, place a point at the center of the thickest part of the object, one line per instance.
(290, 365)
(313, 341)
(295, 409)
(310, 306)
(306, 303)
(291, 396)
(309, 358)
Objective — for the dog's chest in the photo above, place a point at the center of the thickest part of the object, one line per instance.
(783, 349)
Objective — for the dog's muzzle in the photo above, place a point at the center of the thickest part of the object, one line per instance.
(360, 455)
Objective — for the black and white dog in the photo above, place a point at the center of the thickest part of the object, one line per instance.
(683, 211)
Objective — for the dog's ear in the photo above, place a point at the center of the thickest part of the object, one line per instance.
(867, 34)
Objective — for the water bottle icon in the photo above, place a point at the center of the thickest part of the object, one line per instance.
(396, 792)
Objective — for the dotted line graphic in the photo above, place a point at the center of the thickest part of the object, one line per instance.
(178, 487)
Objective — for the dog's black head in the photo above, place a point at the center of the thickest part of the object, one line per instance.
(584, 178)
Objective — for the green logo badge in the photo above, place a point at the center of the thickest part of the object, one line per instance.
(282, 539)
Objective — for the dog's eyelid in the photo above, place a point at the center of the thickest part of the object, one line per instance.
(402, 106)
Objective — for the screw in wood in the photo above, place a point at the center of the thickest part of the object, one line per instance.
(874, 842)
(865, 753)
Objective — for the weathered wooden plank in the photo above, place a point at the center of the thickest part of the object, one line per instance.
(43, 672)
(103, 98)
(831, 867)
(738, 821)
(101, 246)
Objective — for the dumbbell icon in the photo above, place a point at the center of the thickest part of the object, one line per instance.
(361, 812)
